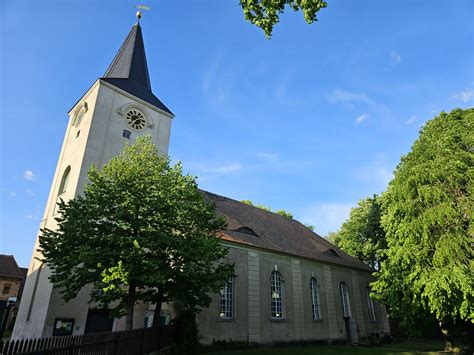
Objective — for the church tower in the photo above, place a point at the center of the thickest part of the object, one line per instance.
(119, 107)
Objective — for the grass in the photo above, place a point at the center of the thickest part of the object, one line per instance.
(406, 347)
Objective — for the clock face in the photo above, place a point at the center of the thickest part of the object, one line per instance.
(135, 119)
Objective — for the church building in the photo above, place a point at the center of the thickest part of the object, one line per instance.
(289, 285)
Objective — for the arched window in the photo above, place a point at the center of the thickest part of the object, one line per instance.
(227, 300)
(64, 179)
(277, 295)
(346, 307)
(316, 310)
(370, 305)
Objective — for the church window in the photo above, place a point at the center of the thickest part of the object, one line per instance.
(6, 288)
(64, 180)
(246, 230)
(227, 300)
(80, 114)
(316, 310)
(126, 134)
(346, 307)
(78, 133)
(135, 119)
(277, 295)
(370, 304)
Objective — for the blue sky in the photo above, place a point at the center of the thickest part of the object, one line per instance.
(310, 121)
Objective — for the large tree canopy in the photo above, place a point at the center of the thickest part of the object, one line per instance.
(266, 13)
(428, 221)
(362, 235)
(141, 231)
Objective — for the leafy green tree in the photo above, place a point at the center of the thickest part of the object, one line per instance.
(310, 227)
(141, 231)
(333, 237)
(429, 225)
(266, 13)
(362, 235)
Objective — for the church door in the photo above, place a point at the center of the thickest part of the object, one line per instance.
(98, 320)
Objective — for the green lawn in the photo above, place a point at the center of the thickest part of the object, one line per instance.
(406, 347)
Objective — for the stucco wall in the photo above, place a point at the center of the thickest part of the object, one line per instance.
(14, 288)
(97, 139)
(253, 320)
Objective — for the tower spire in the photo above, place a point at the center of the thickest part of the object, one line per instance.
(129, 70)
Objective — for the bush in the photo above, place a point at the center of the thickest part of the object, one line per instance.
(186, 338)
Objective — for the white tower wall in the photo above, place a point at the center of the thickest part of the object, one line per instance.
(99, 140)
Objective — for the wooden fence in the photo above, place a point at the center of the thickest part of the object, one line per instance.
(137, 341)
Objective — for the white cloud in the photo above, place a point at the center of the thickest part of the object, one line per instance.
(30, 216)
(376, 173)
(395, 57)
(213, 84)
(326, 216)
(268, 157)
(465, 95)
(411, 119)
(361, 118)
(30, 192)
(29, 175)
(348, 97)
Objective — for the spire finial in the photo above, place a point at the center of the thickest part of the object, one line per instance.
(139, 12)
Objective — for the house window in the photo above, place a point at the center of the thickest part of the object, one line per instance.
(346, 308)
(227, 300)
(277, 295)
(316, 310)
(6, 288)
(126, 134)
(370, 304)
(64, 180)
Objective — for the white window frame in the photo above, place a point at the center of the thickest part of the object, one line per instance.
(315, 305)
(370, 305)
(226, 303)
(276, 288)
(346, 305)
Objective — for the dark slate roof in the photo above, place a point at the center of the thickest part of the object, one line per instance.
(138, 91)
(129, 69)
(9, 267)
(277, 233)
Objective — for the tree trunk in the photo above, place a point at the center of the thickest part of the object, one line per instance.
(130, 306)
(470, 335)
(448, 340)
(156, 314)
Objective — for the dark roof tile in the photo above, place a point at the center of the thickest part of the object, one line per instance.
(9, 267)
(129, 70)
(277, 233)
